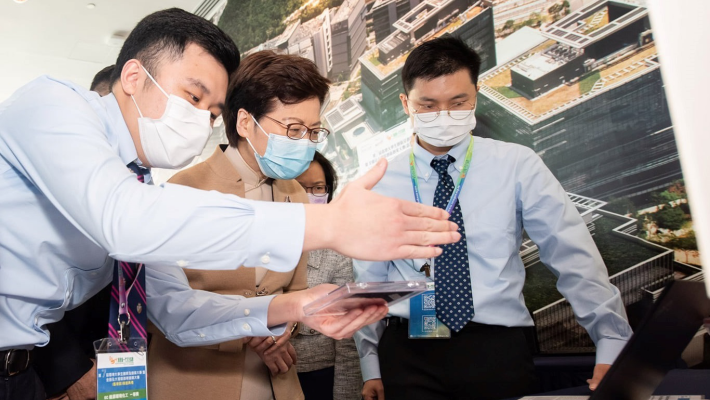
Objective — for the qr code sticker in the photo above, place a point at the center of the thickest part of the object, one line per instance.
(429, 324)
(429, 302)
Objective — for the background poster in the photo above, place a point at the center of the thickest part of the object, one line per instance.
(577, 81)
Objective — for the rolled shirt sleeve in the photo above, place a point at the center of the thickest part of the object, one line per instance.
(191, 317)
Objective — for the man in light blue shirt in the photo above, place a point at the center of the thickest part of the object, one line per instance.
(507, 189)
(70, 205)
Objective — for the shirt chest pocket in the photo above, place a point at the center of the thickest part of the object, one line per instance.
(491, 236)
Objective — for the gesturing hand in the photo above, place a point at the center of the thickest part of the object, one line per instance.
(364, 225)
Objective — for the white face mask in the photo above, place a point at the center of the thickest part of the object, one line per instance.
(444, 131)
(176, 138)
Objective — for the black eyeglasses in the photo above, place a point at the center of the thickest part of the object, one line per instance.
(297, 131)
(318, 191)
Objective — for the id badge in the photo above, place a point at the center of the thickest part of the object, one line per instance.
(121, 369)
(423, 323)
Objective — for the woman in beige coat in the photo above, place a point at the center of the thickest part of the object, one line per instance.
(272, 123)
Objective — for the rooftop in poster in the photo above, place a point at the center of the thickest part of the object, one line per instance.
(420, 14)
(594, 22)
(344, 10)
(546, 61)
(618, 69)
(369, 59)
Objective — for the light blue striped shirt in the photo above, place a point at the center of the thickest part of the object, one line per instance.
(508, 188)
(68, 204)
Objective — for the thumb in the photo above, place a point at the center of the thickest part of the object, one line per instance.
(370, 179)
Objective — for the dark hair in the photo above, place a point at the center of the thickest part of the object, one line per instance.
(265, 77)
(331, 178)
(165, 34)
(102, 80)
(438, 57)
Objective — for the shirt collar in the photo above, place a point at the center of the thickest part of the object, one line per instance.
(423, 158)
(119, 130)
(251, 178)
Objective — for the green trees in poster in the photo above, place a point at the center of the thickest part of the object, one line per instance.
(252, 22)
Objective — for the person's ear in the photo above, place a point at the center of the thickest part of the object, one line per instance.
(405, 102)
(132, 77)
(245, 123)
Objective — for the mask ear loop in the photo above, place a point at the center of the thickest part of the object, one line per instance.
(156, 84)
(262, 131)
(154, 81)
(138, 108)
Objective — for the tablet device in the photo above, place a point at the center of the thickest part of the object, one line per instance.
(362, 294)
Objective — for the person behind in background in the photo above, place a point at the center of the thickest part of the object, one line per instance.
(101, 83)
(328, 369)
(466, 338)
(272, 122)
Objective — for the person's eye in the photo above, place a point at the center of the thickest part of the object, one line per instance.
(194, 98)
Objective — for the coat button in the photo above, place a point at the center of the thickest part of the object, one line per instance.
(313, 331)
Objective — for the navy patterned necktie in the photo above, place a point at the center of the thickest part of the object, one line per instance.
(454, 302)
(134, 276)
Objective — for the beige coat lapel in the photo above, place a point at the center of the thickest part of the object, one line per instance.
(284, 192)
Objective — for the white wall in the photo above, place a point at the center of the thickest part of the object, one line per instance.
(66, 38)
(682, 35)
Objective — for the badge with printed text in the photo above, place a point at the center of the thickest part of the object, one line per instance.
(121, 372)
(423, 323)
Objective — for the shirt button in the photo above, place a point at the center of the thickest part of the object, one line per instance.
(246, 311)
(182, 263)
(202, 335)
(246, 327)
(265, 259)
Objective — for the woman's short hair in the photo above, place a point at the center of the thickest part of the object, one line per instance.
(265, 77)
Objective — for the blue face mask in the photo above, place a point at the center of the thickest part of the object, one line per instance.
(284, 158)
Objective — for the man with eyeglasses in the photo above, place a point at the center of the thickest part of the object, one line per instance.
(465, 338)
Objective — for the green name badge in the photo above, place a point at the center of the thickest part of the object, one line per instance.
(423, 323)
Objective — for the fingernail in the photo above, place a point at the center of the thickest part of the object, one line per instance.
(381, 163)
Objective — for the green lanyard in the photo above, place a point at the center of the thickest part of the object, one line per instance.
(462, 177)
(426, 268)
